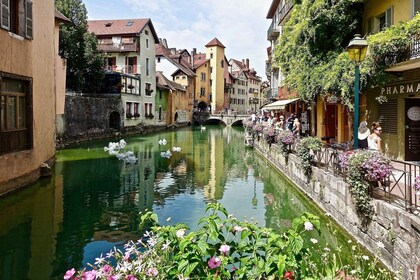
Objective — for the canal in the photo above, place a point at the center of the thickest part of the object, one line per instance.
(92, 201)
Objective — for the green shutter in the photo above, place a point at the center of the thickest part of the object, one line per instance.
(29, 24)
(5, 14)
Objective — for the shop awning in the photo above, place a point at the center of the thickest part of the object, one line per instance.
(280, 104)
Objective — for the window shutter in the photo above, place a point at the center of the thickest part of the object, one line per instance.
(389, 16)
(5, 14)
(29, 25)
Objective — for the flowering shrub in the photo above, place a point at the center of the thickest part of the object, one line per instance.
(284, 139)
(249, 125)
(304, 152)
(417, 184)
(258, 128)
(222, 248)
(362, 167)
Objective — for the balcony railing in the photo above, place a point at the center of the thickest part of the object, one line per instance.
(127, 69)
(273, 31)
(284, 11)
(412, 51)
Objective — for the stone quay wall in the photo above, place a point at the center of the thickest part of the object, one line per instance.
(398, 230)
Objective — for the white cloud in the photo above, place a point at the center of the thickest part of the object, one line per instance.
(239, 24)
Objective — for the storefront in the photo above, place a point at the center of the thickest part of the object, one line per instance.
(399, 117)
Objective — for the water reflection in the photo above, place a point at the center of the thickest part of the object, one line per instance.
(92, 202)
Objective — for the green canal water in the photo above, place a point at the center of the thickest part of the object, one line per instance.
(92, 201)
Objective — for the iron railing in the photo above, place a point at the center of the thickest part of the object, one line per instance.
(284, 11)
(398, 189)
(405, 53)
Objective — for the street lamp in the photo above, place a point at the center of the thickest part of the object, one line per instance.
(357, 52)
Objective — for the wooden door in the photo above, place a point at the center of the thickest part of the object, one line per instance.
(412, 129)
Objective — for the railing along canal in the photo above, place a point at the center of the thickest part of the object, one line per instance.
(398, 188)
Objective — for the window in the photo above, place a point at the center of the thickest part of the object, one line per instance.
(211, 69)
(16, 16)
(146, 32)
(380, 22)
(160, 113)
(211, 82)
(222, 63)
(148, 112)
(211, 55)
(203, 76)
(15, 114)
(202, 91)
(128, 110)
(160, 94)
(130, 23)
(147, 43)
(416, 7)
(148, 89)
(147, 67)
(131, 65)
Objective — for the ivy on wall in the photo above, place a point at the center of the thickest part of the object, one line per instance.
(312, 49)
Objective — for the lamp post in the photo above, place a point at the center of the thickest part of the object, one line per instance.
(357, 52)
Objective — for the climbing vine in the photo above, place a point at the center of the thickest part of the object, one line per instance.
(312, 49)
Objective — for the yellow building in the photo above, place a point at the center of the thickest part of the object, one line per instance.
(215, 52)
(29, 65)
(202, 81)
(398, 116)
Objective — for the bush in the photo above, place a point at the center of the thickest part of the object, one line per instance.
(304, 152)
(362, 167)
(225, 248)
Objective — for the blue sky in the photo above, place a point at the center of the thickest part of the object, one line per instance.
(241, 25)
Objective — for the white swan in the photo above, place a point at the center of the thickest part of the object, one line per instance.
(203, 128)
(176, 149)
(162, 142)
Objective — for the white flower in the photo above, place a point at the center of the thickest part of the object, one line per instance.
(99, 260)
(353, 271)
(366, 258)
(380, 245)
(180, 233)
(152, 241)
(314, 241)
(308, 226)
(353, 248)
(238, 228)
(327, 249)
(166, 245)
(349, 241)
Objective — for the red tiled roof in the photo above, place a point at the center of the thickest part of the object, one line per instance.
(198, 63)
(165, 82)
(120, 26)
(161, 50)
(215, 42)
(239, 63)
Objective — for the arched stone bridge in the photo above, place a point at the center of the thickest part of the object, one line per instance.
(229, 120)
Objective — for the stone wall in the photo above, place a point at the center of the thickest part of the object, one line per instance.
(398, 230)
(88, 118)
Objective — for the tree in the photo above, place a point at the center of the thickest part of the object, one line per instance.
(79, 47)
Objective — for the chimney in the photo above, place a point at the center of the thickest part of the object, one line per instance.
(247, 63)
(165, 43)
(160, 40)
(193, 52)
(173, 51)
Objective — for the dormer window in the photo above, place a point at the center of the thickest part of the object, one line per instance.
(108, 24)
(130, 23)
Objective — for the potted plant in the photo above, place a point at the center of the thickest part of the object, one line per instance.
(130, 86)
(129, 115)
(136, 115)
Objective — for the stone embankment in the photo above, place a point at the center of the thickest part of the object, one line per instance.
(394, 228)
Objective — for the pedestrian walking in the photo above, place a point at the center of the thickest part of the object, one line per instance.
(289, 122)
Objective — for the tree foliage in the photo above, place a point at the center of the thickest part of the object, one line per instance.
(79, 47)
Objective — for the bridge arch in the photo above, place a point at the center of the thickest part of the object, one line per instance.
(239, 122)
(214, 121)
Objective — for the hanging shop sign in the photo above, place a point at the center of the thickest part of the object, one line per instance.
(407, 88)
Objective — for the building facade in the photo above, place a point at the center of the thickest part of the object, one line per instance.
(215, 53)
(30, 96)
(129, 48)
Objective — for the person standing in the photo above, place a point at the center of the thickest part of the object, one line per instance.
(289, 122)
(374, 140)
(363, 134)
(296, 127)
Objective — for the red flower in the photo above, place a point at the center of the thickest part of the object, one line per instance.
(289, 275)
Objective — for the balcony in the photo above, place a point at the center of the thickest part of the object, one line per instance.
(404, 59)
(126, 69)
(273, 31)
(284, 11)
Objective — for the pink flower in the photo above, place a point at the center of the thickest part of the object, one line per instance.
(224, 249)
(69, 273)
(130, 277)
(107, 269)
(214, 262)
(127, 256)
(151, 272)
(89, 275)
